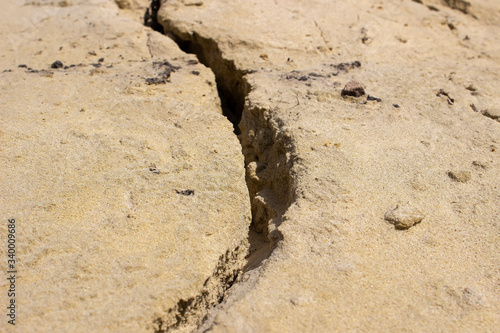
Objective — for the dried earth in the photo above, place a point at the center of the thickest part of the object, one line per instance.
(370, 168)
(126, 181)
(325, 172)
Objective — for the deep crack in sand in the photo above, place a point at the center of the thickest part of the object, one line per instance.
(260, 154)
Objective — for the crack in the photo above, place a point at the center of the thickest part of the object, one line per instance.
(322, 34)
(263, 140)
(187, 311)
(231, 86)
(268, 168)
(151, 14)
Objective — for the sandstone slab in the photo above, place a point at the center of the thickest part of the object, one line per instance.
(322, 168)
(125, 180)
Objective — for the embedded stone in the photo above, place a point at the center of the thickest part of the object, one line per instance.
(353, 88)
(403, 216)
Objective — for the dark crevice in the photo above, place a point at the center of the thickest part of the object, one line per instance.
(151, 14)
(186, 310)
(260, 249)
(231, 86)
(232, 89)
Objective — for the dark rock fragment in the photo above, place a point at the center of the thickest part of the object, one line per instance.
(57, 64)
(441, 92)
(353, 88)
(163, 76)
(185, 192)
(371, 98)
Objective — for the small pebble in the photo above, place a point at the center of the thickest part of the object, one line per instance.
(354, 89)
(371, 98)
(57, 64)
(185, 192)
(403, 216)
(471, 87)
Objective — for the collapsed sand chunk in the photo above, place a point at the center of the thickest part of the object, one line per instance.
(403, 216)
(492, 113)
(460, 176)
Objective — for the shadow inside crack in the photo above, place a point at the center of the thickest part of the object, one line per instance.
(230, 84)
(260, 249)
(232, 88)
